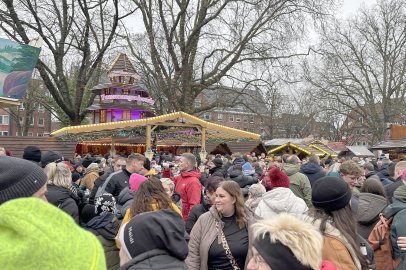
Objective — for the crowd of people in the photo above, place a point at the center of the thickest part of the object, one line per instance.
(238, 211)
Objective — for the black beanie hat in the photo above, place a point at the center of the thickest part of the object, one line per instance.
(87, 161)
(19, 178)
(32, 153)
(50, 156)
(218, 162)
(277, 255)
(163, 229)
(75, 176)
(330, 193)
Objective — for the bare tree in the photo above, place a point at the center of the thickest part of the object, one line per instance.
(190, 45)
(360, 71)
(74, 33)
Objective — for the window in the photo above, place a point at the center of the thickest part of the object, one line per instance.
(107, 91)
(41, 122)
(245, 119)
(231, 118)
(32, 121)
(3, 133)
(361, 120)
(238, 118)
(30, 134)
(198, 103)
(126, 91)
(251, 119)
(220, 117)
(103, 116)
(126, 115)
(40, 135)
(262, 120)
(364, 143)
(4, 119)
(18, 134)
(21, 107)
(206, 116)
(21, 120)
(41, 108)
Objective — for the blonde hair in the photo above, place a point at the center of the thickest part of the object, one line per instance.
(58, 174)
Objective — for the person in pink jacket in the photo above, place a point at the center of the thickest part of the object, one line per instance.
(187, 184)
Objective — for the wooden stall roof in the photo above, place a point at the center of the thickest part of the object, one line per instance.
(6, 102)
(318, 145)
(17, 144)
(213, 131)
(301, 147)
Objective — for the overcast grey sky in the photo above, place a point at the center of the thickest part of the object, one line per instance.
(351, 6)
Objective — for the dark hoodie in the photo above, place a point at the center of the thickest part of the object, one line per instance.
(369, 208)
(245, 181)
(154, 247)
(105, 227)
(124, 201)
(313, 171)
(397, 210)
(384, 175)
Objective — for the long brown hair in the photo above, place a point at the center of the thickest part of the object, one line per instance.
(150, 192)
(343, 220)
(373, 186)
(232, 188)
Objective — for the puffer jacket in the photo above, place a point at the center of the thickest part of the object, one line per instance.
(280, 200)
(369, 208)
(64, 199)
(299, 183)
(124, 201)
(204, 233)
(156, 259)
(313, 171)
(105, 227)
(245, 181)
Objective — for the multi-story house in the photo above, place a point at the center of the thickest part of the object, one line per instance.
(242, 109)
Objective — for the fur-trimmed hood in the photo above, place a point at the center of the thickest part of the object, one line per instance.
(302, 238)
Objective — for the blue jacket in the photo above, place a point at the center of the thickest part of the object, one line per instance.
(313, 171)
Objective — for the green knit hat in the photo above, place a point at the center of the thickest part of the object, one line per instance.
(37, 235)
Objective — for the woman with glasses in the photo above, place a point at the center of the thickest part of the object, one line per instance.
(59, 192)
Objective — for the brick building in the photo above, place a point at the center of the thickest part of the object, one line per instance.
(243, 109)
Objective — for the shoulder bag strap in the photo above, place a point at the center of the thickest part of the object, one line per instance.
(227, 248)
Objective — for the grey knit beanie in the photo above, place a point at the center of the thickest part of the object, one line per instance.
(19, 178)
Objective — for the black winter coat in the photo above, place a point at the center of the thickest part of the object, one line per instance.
(118, 182)
(216, 171)
(105, 227)
(64, 199)
(194, 215)
(156, 259)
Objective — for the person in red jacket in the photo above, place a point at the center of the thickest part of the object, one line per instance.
(187, 184)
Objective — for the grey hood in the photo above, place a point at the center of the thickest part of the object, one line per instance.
(369, 207)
